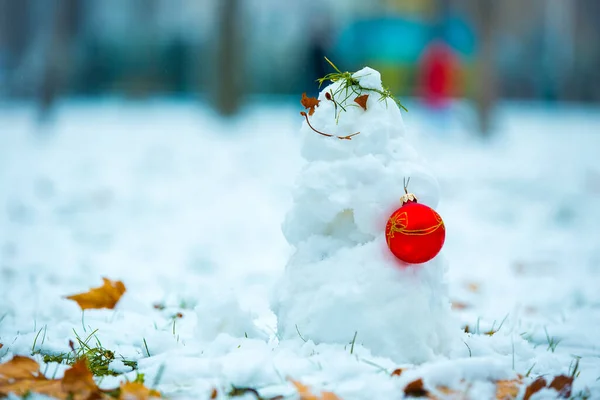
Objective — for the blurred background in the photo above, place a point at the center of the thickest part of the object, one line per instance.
(226, 51)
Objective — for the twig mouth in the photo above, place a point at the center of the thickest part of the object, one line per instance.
(348, 137)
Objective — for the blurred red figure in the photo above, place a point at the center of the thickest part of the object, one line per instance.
(438, 73)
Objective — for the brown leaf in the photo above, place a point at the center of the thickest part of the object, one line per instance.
(214, 393)
(309, 103)
(305, 393)
(416, 389)
(458, 305)
(19, 368)
(362, 101)
(448, 393)
(507, 389)
(1, 345)
(534, 387)
(329, 396)
(105, 296)
(473, 287)
(79, 381)
(21, 375)
(137, 391)
(20, 388)
(397, 372)
(563, 385)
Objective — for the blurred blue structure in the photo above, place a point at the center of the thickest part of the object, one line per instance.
(400, 40)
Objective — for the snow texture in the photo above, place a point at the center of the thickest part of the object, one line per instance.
(342, 279)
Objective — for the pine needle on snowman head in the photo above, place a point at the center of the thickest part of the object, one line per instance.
(350, 85)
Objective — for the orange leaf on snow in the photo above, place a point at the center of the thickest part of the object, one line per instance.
(329, 396)
(563, 385)
(306, 394)
(473, 287)
(21, 375)
(137, 391)
(105, 296)
(19, 368)
(309, 103)
(507, 389)
(459, 305)
(79, 381)
(214, 394)
(362, 101)
(447, 393)
(534, 387)
(397, 372)
(303, 391)
(416, 389)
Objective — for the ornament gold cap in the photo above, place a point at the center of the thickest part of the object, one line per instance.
(408, 197)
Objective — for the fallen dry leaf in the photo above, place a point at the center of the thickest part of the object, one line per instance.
(309, 103)
(1, 345)
(19, 368)
(507, 389)
(473, 287)
(21, 375)
(79, 380)
(448, 393)
(137, 391)
(214, 393)
(563, 385)
(397, 372)
(416, 389)
(105, 296)
(305, 393)
(534, 387)
(362, 101)
(329, 396)
(459, 305)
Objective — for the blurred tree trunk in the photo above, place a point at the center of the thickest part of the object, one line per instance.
(15, 36)
(229, 61)
(60, 54)
(485, 77)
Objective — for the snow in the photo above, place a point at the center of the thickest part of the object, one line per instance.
(342, 279)
(369, 78)
(187, 209)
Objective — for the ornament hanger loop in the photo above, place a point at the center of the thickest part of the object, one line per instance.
(406, 182)
(406, 197)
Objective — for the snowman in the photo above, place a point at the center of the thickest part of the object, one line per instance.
(342, 279)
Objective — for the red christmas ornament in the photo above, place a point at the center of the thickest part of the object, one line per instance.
(415, 233)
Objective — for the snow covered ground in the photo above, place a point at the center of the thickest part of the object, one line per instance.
(186, 209)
